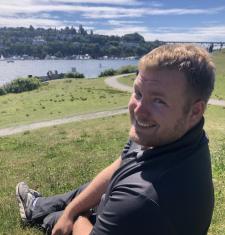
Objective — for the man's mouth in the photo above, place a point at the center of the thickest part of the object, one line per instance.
(144, 124)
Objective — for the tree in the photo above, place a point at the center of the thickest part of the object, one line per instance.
(81, 30)
(31, 28)
(134, 37)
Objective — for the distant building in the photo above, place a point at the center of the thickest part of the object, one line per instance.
(87, 57)
(38, 40)
(50, 57)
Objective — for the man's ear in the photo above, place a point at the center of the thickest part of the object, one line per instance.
(197, 111)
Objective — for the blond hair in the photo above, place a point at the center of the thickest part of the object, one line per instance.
(192, 60)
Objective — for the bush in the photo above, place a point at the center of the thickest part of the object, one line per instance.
(2, 91)
(127, 69)
(108, 72)
(122, 70)
(22, 84)
(74, 75)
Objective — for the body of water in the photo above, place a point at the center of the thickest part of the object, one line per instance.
(90, 68)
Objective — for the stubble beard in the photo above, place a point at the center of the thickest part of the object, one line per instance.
(173, 134)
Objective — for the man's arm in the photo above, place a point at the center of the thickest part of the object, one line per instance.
(87, 199)
(127, 211)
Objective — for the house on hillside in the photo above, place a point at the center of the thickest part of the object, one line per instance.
(39, 40)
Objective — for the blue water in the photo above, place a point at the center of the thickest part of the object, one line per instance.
(90, 68)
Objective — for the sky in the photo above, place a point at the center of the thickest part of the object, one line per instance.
(166, 20)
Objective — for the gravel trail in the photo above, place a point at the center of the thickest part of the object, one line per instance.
(76, 118)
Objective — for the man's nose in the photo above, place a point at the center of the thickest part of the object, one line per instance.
(141, 107)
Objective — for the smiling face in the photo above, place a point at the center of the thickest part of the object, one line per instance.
(157, 108)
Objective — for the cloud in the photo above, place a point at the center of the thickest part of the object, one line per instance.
(185, 11)
(106, 2)
(156, 4)
(26, 22)
(60, 8)
(16, 3)
(195, 34)
(121, 12)
(96, 12)
(123, 22)
(42, 22)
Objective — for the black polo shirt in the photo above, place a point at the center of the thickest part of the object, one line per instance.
(162, 191)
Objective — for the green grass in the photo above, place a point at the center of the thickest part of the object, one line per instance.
(58, 99)
(219, 60)
(215, 127)
(57, 159)
(219, 91)
(127, 80)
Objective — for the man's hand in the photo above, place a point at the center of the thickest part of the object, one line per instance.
(64, 226)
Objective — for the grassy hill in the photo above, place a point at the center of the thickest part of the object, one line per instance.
(59, 98)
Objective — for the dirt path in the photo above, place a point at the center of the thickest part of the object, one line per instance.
(76, 118)
(113, 82)
(217, 102)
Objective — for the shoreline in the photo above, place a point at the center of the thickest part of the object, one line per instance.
(90, 68)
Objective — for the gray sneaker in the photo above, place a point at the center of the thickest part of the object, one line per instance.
(26, 197)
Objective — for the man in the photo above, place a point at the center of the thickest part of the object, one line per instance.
(162, 183)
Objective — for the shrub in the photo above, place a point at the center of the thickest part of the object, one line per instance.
(74, 75)
(122, 70)
(22, 84)
(127, 69)
(108, 72)
(2, 91)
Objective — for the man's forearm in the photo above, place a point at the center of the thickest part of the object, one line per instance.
(91, 196)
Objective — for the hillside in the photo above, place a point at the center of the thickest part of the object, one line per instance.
(70, 43)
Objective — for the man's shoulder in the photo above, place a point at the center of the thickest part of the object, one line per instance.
(129, 148)
(137, 184)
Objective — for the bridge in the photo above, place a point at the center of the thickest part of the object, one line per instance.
(215, 45)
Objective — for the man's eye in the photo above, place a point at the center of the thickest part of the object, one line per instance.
(137, 94)
(158, 101)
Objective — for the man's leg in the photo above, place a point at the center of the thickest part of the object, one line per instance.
(41, 210)
(47, 205)
(50, 220)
